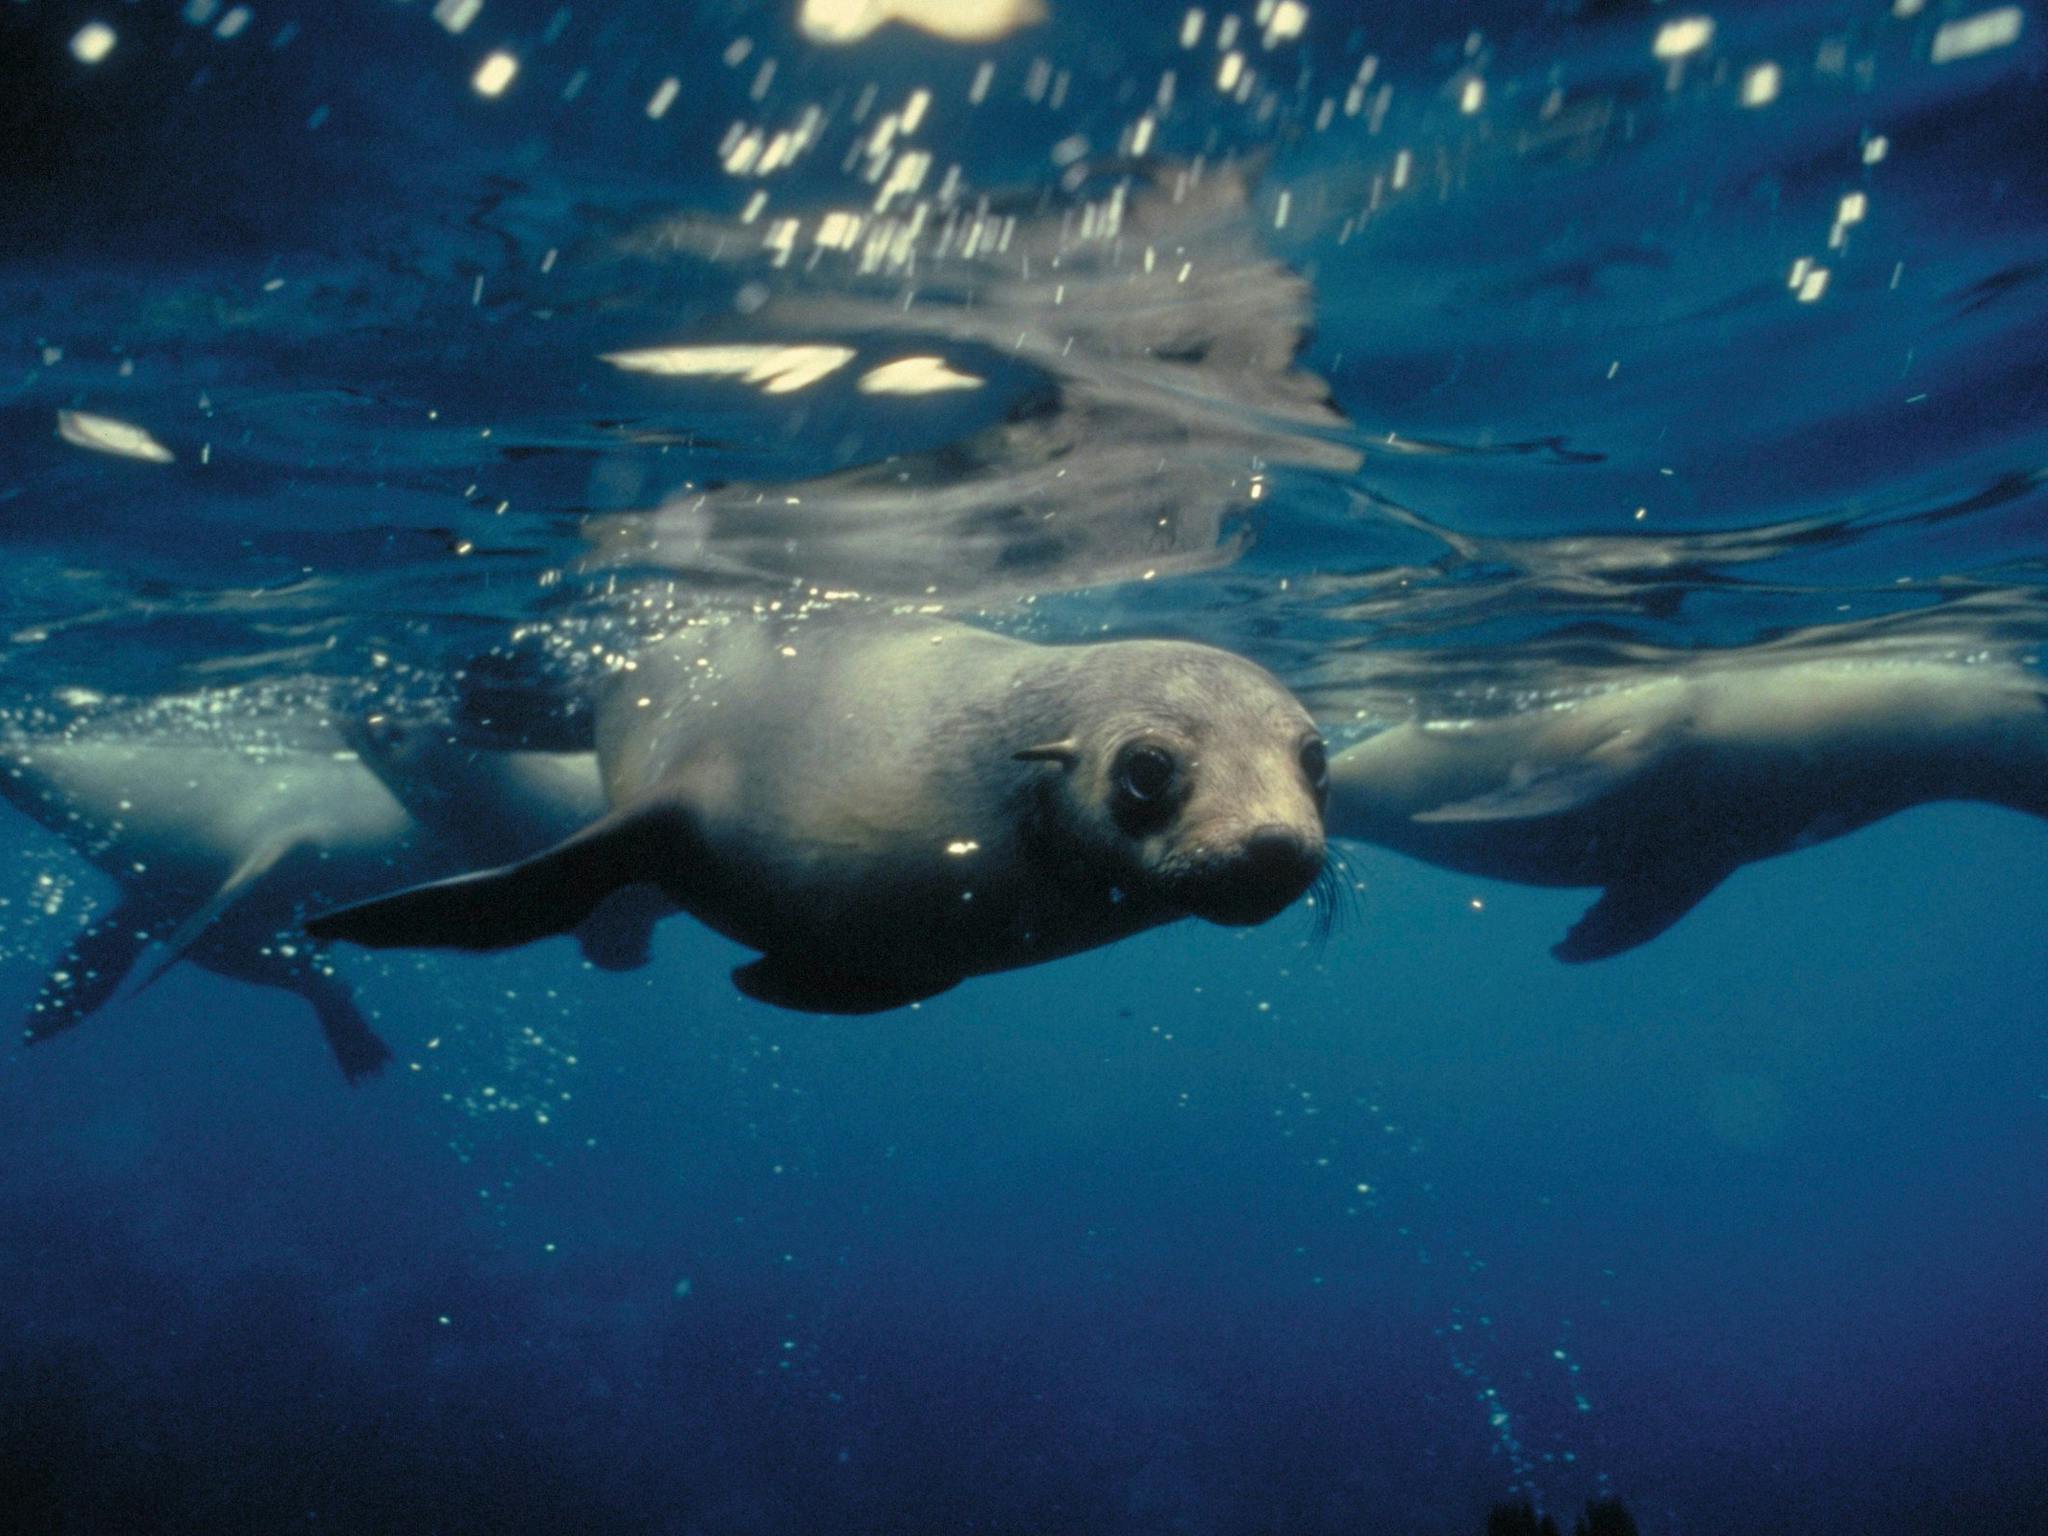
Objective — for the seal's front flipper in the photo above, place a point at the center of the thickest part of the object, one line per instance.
(90, 971)
(791, 984)
(1634, 911)
(497, 908)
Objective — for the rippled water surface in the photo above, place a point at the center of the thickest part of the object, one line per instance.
(1449, 360)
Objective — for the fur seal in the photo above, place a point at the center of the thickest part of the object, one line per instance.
(1660, 789)
(886, 809)
(218, 846)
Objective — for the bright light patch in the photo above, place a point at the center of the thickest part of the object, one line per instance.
(1813, 285)
(839, 229)
(1681, 36)
(739, 160)
(1228, 71)
(1473, 96)
(781, 239)
(103, 434)
(1976, 34)
(957, 21)
(1761, 84)
(92, 42)
(232, 24)
(916, 376)
(1875, 150)
(456, 15)
(1191, 29)
(664, 97)
(777, 370)
(905, 177)
(495, 73)
(1290, 18)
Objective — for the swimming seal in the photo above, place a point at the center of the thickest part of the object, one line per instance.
(1660, 789)
(884, 809)
(220, 826)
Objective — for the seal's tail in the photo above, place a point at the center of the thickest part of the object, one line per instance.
(95, 964)
(89, 972)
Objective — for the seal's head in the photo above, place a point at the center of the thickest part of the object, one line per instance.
(1191, 776)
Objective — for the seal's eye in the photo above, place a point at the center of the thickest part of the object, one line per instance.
(1143, 775)
(1315, 764)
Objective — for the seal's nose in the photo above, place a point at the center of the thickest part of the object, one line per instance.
(1280, 853)
(1272, 867)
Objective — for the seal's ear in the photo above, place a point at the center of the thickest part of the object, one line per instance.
(1065, 753)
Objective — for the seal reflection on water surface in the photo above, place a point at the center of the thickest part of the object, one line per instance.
(885, 809)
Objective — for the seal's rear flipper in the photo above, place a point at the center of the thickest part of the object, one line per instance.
(547, 894)
(88, 973)
(1635, 911)
(245, 877)
(357, 1049)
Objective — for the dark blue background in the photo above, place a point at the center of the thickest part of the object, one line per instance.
(1079, 1247)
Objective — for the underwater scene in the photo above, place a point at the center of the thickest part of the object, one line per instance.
(1024, 766)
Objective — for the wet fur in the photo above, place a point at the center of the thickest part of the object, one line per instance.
(847, 798)
(1658, 790)
(170, 822)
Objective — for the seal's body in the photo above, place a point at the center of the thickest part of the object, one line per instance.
(1660, 790)
(884, 809)
(218, 847)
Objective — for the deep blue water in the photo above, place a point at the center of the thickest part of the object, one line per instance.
(1211, 1231)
